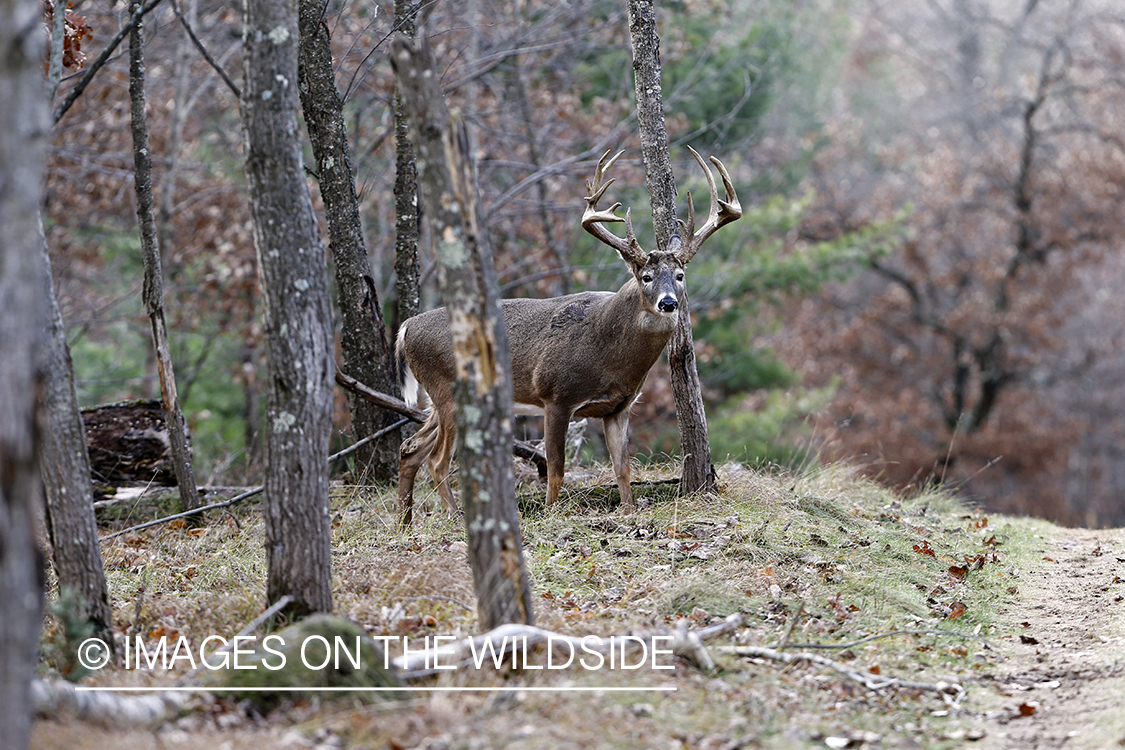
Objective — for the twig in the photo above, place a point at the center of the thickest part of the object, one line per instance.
(250, 628)
(79, 87)
(792, 624)
(203, 51)
(360, 443)
(868, 680)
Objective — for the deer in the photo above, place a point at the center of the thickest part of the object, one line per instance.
(579, 355)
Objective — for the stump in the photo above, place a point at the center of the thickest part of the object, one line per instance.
(128, 443)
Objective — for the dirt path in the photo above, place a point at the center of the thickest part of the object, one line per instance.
(1062, 683)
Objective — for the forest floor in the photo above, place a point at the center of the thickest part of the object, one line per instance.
(1007, 632)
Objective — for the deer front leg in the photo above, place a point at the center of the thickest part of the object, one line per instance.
(617, 441)
(555, 422)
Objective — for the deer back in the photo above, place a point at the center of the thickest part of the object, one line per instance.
(587, 352)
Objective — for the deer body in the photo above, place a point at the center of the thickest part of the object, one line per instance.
(581, 355)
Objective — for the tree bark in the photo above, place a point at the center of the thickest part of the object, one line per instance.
(363, 341)
(699, 473)
(483, 386)
(297, 314)
(24, 125)
(153, 292)
(407, 214)
(65, 466)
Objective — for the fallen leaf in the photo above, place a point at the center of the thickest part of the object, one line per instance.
(956, 609)
(958, 571)
(1029, 640)
(1027, 709)
(925, 549)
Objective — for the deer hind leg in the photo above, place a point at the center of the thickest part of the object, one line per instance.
(555, 422)
(617, 441)
(442, 456)
(412, 453)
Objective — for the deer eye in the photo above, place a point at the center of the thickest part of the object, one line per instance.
(647, 278)
(679, 276)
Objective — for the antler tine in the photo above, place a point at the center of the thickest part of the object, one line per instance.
(593, 219)
(722, 212)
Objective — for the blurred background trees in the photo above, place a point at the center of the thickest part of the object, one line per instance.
(924, 279)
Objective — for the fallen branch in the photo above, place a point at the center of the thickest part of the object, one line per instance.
(867, 679)
(685, 643)
(390, 403)
(55, 699)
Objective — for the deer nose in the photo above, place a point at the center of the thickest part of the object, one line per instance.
(668, 304)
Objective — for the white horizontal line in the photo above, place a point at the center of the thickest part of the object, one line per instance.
(499, 689)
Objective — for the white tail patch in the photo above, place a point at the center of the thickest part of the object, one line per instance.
(409, 382)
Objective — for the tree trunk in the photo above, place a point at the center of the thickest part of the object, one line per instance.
(407, 217)
(23, 126)
(367, 356)
(65, 466)
(699, 473)
(297, 314)
(154, 277)
(480, 345)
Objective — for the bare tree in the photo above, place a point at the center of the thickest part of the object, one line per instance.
(23, 127)
(297, 315)
(699, 473)
(483, 385)
(407, 213)
(69, 495)
(367, 357)
(154, 276)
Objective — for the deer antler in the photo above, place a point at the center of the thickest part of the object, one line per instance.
(721, 213)
(593, 219)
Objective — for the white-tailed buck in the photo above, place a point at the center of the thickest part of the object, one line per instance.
(582, 355)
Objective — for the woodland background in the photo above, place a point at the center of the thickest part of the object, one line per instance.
(925, 282)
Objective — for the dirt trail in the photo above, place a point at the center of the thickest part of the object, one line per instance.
(1068, 669)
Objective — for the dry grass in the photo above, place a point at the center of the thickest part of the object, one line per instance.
(824, 556)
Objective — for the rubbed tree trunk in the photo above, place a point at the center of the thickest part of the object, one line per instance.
(297, 314)
(407, 217)
(367, 357)
(71, 525)
(480, 346)
(23, 127)
(153, 292)
(699, 473)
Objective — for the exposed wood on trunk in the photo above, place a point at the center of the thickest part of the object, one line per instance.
(483, 385)
(153, 292)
